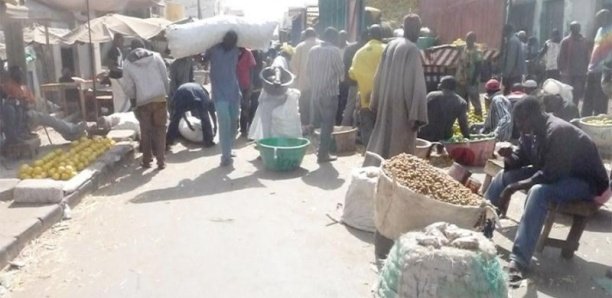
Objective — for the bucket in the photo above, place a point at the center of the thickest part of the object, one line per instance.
(282, 154)
(344, 139)
(473, 153)
(600, 133)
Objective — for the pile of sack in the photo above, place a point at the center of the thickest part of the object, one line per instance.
(442, 261)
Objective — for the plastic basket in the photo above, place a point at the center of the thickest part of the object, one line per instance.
(473, 153)
(282, 154)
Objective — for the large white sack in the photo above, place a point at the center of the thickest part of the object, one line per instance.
(359, 201)
(442, 261)
(286, 118)
(197, 37)
(121, 121)
(194, 136)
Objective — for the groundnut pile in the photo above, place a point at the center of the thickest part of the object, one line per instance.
(421, 177)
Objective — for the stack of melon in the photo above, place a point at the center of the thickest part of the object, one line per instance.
(65, 164)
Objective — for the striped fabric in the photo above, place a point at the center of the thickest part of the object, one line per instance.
(325, 70)
(499, 119)
(448, 56)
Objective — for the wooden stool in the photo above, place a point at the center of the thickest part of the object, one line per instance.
(580, 211)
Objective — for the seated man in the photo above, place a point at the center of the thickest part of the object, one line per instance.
(444, 107)
(193, 97)
(517, 93)
(555, 162)
(15, 105)
(564, 109)
(499, 118)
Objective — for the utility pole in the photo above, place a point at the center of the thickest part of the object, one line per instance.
(199, 9)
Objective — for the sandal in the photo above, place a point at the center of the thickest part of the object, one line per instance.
(515, 274)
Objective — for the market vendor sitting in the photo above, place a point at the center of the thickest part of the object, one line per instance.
(15, 104)
(277, 114)
(19, 115)
(192, 97)
(560, 107)
(444, 107)
(499, 118)
(555, 162)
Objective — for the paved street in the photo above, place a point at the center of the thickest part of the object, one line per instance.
(197, 230)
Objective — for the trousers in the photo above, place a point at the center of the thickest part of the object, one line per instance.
(348, 118)
(325, 117)
(595, 100)
(536, 206)
(152, 118)
(227, 114)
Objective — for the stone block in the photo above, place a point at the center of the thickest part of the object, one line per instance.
(39, 191)
(6, 188)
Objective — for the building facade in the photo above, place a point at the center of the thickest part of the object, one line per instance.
(540, 17)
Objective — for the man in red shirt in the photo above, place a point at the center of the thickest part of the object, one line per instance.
(246, 62)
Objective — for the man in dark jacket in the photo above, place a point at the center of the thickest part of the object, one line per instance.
(444, 107)
(193, 97)
(556, 162)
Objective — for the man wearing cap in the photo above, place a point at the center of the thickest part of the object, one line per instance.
(530, 87)
(499, 118)
(516, 94)
(444, 107)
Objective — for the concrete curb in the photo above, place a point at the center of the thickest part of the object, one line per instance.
(11, 245)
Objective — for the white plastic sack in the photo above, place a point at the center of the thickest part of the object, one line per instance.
(277, 116)
(400, 210)
(197, 37)
(39, 191)
(442, 261)
(122, 121)
(194, 136)
(286, 118)
(359, 201)
(554, 87)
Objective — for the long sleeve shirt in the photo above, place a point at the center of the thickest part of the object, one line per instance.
(325, 69)
(443, 108)
(574, 56)
(559, 151)
(299, 62)
(514, 58)
(499, 119)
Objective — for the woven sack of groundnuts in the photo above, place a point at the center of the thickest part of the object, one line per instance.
(411, 194)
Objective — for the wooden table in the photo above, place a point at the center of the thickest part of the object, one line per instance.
(60, 88)
(86, 87)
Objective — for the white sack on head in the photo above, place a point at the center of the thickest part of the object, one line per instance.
(197, 37)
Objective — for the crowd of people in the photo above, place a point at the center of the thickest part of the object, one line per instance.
(378, 86)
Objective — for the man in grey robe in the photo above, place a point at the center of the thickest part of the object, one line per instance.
(399, 98)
